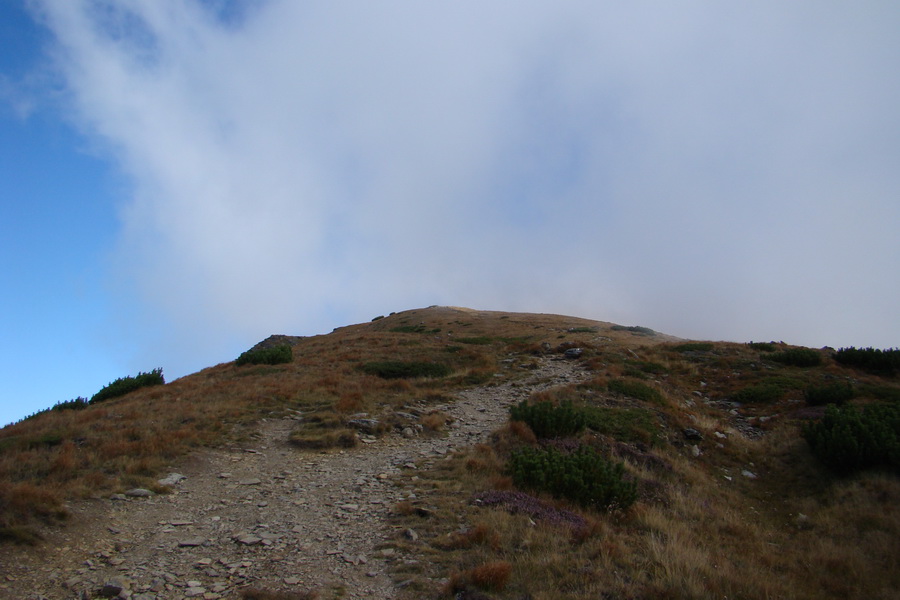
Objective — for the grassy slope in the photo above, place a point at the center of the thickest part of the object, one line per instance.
(700, 529)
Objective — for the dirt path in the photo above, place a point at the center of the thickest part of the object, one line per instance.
(264, 515)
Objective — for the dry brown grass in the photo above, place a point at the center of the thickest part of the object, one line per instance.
(705, 531)
(435, 420)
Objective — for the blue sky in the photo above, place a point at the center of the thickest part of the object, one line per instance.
(179, 179)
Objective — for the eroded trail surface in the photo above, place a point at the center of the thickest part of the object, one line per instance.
(263, 515)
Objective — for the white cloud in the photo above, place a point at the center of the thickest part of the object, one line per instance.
(710, 170)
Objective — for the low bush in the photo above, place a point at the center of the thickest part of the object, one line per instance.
(635, 389)
(832, 393)
(548, 420)
(583, 476)
(849, 439)
(634, 329)
(398, 369)
(762, 346)
(870, 359)
(124, 385)
(694, 347)
(798, 357)
(275, 355)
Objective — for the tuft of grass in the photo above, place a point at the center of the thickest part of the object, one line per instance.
(318, 439)
(492, 576)
(20, 535)
(435, 421)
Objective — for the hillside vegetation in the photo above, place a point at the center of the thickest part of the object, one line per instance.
(674, 469)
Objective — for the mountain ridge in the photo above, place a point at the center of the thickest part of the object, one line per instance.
(664, 407)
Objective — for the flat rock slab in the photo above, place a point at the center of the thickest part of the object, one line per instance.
(191, 542)
(248, 539)
(139, 493)
(250, 481)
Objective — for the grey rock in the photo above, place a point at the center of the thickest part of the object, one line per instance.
(411, 535)
(139, 493)
(252, 481)
(248, 539)
(118, 497)
(366, 425)
(692, 434)
(192, 542)
(573, 352)
(172, 479)
(113, 588)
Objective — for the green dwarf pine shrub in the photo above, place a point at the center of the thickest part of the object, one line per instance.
(275, 355)
(762, 346)
(124, 385)
(849, 439)
(798, 357)
(583, 476)
(398, 369)
(870, 359)
(76, 404)
(832, 393)
(548, 420)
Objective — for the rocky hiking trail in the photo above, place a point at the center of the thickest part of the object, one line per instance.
(262, 515)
